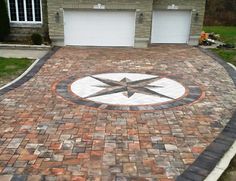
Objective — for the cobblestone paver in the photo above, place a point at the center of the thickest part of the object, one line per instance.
(44, 137)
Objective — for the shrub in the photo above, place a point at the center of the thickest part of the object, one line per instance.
(36, 39)
(4, 21)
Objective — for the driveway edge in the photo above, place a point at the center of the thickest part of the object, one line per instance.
(29, 73)
(223, 164)
(216, 155)
(231, 71)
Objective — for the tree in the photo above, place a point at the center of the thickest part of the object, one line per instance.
(4, 21)
(220, 12)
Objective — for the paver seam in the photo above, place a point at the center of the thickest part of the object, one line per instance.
(29, 73)
(206, 163)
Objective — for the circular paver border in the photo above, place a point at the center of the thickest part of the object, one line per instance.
(210, 157)
(194, 93)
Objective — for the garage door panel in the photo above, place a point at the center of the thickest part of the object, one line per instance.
(99, 28)
(171, 26)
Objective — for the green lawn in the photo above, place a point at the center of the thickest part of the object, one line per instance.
(10, 68)
(228, 35)
(228, 55)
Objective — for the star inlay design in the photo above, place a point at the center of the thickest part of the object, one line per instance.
(127, 87)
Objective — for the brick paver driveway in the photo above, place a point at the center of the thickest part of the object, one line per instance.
(46, 136)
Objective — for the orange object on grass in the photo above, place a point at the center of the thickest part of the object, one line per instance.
(204, 36)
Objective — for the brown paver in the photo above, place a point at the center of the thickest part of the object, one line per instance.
(44, 135)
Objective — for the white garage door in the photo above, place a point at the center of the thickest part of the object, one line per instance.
(171, 26)
(99, 28)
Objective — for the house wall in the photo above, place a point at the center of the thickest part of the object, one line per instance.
(196, 6)
(23, 32)
(143, 30)
(56, 22)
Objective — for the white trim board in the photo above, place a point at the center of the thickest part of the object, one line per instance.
(222, 164)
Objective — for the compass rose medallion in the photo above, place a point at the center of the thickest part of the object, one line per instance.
(128, 87)
(127, 91)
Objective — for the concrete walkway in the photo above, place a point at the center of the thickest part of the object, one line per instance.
(23, 51)
(31, 54)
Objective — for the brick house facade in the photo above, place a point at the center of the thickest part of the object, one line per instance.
(22, 16)
(150, 22)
